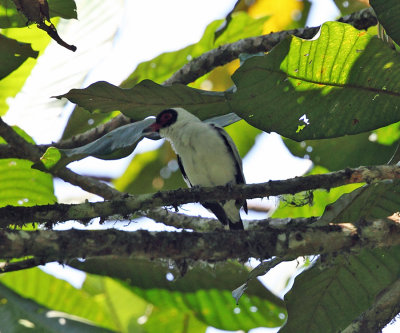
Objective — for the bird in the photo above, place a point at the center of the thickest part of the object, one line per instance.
(207, 156)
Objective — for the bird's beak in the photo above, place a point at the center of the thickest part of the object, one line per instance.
(152, 128)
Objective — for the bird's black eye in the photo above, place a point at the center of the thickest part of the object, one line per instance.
(167, 117)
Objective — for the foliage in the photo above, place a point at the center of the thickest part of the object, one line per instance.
(334, 99)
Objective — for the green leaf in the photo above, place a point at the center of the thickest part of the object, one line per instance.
(372, 201)
(225, 24)
(120, 304)
(151, 171)
(388, 135)
(13, 54)
(342, 83)
(327, 297)
(173, 320)
(241, 26)
(52, 159)
(148, 99)
(162, 67)
(42, 293)
(350, 6)
(114, 145)
(343, 152)
(388, 12)
(204, 290)
(63, 8)
(243, 135)
(321, 198)
(13, 83)
(11, 18)
(20, 185)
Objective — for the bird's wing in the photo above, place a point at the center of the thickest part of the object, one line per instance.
(230, 145)
(185, 177)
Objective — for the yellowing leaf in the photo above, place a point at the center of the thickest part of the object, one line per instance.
(281, 13)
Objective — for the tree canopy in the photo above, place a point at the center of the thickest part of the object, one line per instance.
(330, 92)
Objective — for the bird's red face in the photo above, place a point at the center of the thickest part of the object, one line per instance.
(164, 119)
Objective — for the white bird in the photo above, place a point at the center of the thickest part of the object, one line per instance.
(207, 156)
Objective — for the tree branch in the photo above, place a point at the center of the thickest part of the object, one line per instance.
(124, 206)
(210, 246)
(219, 57)
(26, 150)
(226, 53)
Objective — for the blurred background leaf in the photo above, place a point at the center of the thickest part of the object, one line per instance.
(10, 17)
(204, 291)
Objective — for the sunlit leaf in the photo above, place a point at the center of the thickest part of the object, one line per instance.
(283, 13)
(372, 201)
(13, 55)
(20, 185)
(299, 205)
(47, 299)
(342, 83)
(12, 84)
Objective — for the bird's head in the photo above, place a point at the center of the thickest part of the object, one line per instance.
(169, 119)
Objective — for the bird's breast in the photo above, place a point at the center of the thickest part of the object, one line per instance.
(205, 157)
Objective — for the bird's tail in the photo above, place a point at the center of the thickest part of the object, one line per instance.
(228, 214)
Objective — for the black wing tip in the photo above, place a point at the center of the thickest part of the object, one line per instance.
(236, 226)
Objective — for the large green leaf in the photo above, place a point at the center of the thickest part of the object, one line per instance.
(114, 145)
(131, 313)
(12, 84)
(204, 290)
(388, 12)
(122, 306)
(13, 55)
(11, 18)
(163, 66)
(372, 201)
(20, 185)
(344, 152)
(57, 294)
(327, 297)
(345, 82)
(148, 99)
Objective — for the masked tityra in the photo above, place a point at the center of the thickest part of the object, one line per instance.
(207, 156)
